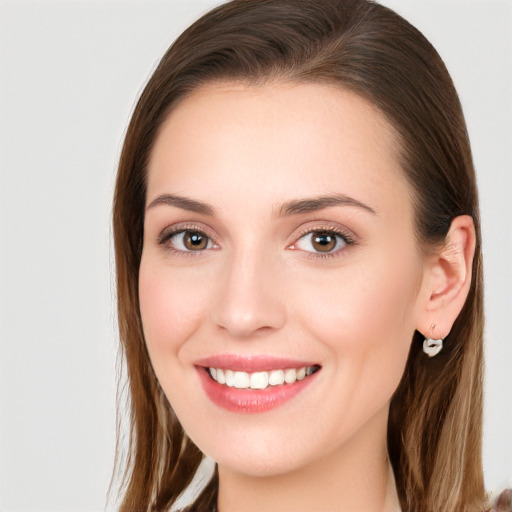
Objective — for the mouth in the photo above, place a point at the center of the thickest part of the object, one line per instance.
(254, 385)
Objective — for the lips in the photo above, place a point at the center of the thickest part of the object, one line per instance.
(253, 384)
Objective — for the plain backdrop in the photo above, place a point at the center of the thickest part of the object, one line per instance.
(70, 72)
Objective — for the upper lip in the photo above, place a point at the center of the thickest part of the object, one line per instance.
(256, 363)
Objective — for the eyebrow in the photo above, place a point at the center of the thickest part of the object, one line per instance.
(307, 205)
(293, 207)
(184, 203)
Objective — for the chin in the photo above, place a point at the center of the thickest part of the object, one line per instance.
(260, 451)
(260, 464)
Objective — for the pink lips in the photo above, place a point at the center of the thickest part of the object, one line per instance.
(250, 400)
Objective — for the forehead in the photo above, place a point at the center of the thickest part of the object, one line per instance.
(281, 140)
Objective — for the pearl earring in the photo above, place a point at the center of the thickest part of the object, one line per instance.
(432, 347)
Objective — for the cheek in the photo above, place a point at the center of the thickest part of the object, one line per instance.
(365, 316)
(171, 308)
(375, 296)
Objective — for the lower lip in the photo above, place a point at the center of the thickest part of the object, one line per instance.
(250, 400)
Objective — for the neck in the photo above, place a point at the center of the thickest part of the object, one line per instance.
(356, 476)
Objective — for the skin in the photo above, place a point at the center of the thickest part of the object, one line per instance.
(261, 288)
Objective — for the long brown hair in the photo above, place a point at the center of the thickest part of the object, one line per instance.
(434, 430)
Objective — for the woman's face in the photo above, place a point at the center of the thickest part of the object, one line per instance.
(278, 244)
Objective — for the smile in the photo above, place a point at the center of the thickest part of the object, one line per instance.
(261, 379)
(254, 384)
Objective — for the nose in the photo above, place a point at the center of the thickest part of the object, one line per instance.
(250, 299)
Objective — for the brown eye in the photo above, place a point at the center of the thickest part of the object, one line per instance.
(187, 240)
(323, 241)
(194, 240)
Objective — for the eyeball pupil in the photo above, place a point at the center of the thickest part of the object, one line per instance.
(324, 241)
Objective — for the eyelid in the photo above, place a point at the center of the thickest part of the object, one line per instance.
(311, 227)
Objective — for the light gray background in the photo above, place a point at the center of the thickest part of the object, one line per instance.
(70, 74)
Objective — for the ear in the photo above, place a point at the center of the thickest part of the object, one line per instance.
(447, 279)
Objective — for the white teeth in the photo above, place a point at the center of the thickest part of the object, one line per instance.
(241, 380)
(260, 380)
(230, 378)
(290, 376)
(276, 378)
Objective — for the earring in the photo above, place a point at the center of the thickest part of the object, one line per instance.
(432, 347)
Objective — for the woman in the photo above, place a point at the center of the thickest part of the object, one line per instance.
(299, 269)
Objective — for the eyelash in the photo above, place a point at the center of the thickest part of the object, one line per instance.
(167, 234)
